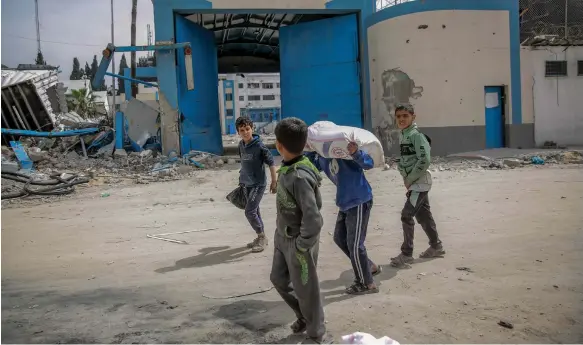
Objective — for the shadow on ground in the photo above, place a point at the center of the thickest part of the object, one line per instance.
(208, 257)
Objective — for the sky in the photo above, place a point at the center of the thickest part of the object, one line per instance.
(82, 28)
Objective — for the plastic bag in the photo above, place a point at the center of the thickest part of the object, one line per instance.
(237, 197)
(330, 140)
(360, 338)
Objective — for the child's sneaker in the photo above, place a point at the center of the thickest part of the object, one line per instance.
(433, 252)
(401, 261)
(253, 243)
(260, 244)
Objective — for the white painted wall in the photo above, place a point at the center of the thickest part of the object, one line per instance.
(245, 91)
(451, 61)
(557, 101)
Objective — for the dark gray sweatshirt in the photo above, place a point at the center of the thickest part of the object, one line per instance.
(299, 202)
(254, 156)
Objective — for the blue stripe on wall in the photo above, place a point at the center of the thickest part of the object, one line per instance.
(491, 5)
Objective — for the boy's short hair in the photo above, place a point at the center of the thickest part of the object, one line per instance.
(292, 134)
(243, 121)
(405, 106)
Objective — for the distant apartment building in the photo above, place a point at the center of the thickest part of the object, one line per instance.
(256, 95)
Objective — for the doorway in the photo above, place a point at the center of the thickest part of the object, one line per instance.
(494, 116)
(316, 55)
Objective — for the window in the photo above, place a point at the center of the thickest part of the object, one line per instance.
(269, 97)
(240, 85)
(253, 85)
(254, 97)
(278, 85)
(580, 67)
(556, 68)
(228, 97)
(229, 112)
(267, 85)
(241, 98)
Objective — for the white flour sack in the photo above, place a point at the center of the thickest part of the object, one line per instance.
(330, 140)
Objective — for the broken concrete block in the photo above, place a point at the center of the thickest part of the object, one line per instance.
(512, 162)
(146, 153)
(231, 161)
(72, 155)
(220, 162)
(120, 153)
(10, 167)
(37, 156)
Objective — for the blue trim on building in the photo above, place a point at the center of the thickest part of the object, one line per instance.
(141, 72)
(489, 5)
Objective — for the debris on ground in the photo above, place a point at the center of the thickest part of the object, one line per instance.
(506, 324)
(439, 164)
(56, 184)
(240, 295)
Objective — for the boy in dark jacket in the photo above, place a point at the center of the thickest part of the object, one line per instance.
(413, 166)
(354, 199)
(254, 155)
(297, 234)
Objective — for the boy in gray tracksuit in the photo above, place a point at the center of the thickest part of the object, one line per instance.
(413, 166)
(297, 235)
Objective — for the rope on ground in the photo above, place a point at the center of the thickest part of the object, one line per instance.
(239, 295)
(56, 185)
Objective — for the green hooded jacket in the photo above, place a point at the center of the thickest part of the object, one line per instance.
(415, 159)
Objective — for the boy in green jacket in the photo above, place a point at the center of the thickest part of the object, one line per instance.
(413, 166)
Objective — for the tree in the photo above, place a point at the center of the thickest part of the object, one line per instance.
(87, 71)
(94, 66)
(133, 44)
(82, 101)
(40, 59)
(77, 73)
(123, 64)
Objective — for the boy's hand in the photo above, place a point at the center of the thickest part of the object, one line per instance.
(352, 148)
(273, 187)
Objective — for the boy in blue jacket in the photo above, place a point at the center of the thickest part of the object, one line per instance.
(254, 156)
(354, 199)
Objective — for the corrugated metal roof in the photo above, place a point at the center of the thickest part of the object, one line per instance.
(13, 77)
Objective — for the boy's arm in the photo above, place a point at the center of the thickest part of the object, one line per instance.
(313, 157)
(363, 159)
(268, 159)
(312, 221)
(423, 151)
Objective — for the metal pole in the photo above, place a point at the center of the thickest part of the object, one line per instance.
(566, 11)
(113, 110)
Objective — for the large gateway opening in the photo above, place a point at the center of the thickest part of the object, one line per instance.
(317, 57)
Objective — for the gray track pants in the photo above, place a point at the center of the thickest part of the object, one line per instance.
(295, 272)
(417, 205)
(254, 196)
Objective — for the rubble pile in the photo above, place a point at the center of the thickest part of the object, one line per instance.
(462, 164)
(54, 156)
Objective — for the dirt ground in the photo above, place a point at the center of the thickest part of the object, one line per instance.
(81, 269)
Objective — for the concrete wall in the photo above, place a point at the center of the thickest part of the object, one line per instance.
(440, 61)
(439, 55)
(556, 102)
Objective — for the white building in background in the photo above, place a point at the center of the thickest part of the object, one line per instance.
(258, 90)
(257, 95)
(552, 87)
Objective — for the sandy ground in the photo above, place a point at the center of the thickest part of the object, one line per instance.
(81, 270)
